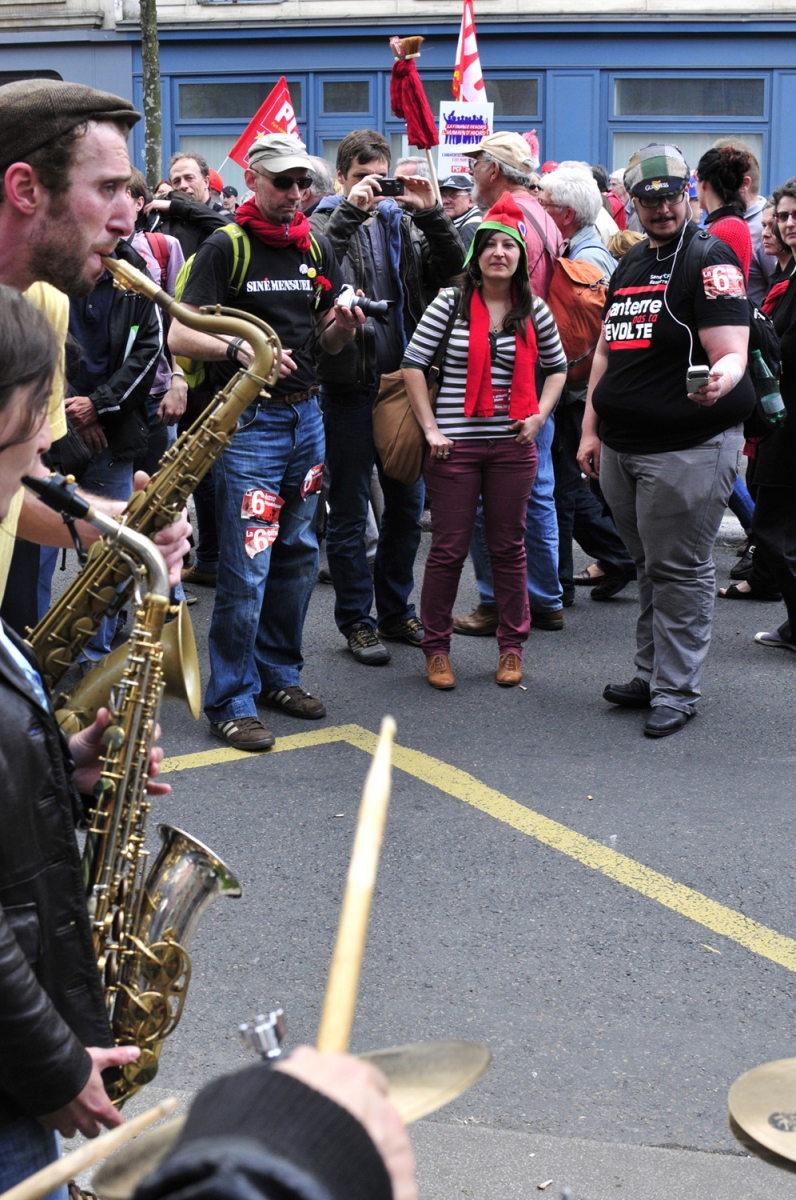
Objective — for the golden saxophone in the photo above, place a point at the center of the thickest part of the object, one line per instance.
(105, 581)
(142, 923)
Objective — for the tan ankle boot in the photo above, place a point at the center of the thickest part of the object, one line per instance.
(509, 672)
(439, 670)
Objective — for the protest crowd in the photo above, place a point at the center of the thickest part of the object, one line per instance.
(589, 357)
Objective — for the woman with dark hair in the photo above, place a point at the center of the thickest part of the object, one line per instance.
(719, 178)
(481, 438)
(773, 244)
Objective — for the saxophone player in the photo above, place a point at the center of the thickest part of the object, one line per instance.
(64, 171)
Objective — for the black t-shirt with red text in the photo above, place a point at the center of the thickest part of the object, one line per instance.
(279, 287)
(642, 399)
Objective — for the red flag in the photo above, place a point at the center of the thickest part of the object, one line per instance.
(275, 115)
(408, 101)
(468, 82)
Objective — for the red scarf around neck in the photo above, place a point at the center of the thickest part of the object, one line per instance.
(297, 233)
(478, 399)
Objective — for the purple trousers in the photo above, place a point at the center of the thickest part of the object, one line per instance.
(501, 472)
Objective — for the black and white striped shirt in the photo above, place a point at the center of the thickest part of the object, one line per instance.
(450, 401)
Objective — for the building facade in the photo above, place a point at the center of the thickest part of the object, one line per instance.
(593, 88)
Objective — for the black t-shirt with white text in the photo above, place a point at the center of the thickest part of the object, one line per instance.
(642, 400)
(279, 288)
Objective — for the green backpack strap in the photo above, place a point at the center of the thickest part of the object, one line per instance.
(315, 250)
(241, 256)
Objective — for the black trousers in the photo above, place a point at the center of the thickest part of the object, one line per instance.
(20, 608)
(774, 536)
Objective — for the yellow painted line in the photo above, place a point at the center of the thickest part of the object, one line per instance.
(225, 754)
(685, 901)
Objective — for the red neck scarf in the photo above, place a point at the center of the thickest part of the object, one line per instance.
(478, 399)
(769, 305)
(297, 233)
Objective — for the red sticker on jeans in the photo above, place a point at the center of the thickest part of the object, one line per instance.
(262, 505)
(501, 397)
(259, 538)
(723, 280)
(313, 481)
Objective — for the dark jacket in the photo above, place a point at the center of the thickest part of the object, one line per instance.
(121, 401)
(262, 1135)
(189, 221)
(431, 254)
(776, 454)
(51, 1000)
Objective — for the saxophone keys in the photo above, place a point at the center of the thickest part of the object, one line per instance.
(113, 737)
(149, 1013)
(111, 970)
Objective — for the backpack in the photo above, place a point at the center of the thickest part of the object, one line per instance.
(577, 299)
(161, 251)
(762, 336)
(195, 372)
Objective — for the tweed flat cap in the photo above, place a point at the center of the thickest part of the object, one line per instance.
(35, 111)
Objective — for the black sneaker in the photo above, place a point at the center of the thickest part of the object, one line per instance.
(295, 702)
(366, 647)
(244, 733)
(409, 630)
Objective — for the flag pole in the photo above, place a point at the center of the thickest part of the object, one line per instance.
(432, 170)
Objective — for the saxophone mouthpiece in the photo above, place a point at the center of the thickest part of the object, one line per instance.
(59, 492)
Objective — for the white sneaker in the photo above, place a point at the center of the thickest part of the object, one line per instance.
(774, 641)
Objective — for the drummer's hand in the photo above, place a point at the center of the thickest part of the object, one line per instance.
(88, 749)
(91, 1107)
(360, 1088)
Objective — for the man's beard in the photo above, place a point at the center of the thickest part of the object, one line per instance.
(59, 258)
(664, 239)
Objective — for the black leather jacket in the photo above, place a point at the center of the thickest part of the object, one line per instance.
(188, 220)
(51, 1000)
(431, 254)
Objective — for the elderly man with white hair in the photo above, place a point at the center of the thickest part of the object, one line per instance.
(571, 197)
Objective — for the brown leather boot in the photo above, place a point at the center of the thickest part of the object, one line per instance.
(481, 623)
(439, 670)
(509, 672)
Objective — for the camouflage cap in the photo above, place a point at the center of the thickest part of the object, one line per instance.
(659, 169)
(34, 112)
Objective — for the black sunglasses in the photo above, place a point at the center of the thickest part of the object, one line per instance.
(283, 183)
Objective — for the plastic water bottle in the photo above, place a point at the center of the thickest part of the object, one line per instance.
(767, 390)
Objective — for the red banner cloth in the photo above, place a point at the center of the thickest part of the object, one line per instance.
(275, 115)
(408, 101)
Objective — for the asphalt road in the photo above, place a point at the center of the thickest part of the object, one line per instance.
(610, 1016)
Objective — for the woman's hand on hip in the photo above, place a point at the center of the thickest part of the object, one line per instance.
(439, 445)
(527, 431)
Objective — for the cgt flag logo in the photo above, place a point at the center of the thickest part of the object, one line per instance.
(275, 115)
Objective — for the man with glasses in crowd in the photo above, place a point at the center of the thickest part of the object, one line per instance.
(267, 481)
(665, 444)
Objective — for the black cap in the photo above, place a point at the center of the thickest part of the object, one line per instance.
(461, 181)
(35, 111)
(229, 190)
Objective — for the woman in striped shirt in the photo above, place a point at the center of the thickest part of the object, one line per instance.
(481, 438)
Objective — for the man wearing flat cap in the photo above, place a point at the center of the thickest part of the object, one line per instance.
(457, 200)
(64, 170)
(665, 444)
(267, 482)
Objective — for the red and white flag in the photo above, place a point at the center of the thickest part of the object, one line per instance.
(468, 82)
(275, 115)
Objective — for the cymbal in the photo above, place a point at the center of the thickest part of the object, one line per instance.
(425, 1075)
(762, 1106)
(422, 1077)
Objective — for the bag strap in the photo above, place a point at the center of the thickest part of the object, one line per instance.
(435, 367)
(240, 264)
(162, 252)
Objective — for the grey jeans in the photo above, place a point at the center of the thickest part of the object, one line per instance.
(668, 508)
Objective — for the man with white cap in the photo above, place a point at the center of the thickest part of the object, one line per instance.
(267, 482)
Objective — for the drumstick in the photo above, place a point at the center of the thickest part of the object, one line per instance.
(58, 1173)
(339, 1003)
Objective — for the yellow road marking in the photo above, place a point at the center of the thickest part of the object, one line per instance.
(634, 875)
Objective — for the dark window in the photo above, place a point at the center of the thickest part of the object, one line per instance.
(513, 97)
(346, 96)
(662, 97)
(229, 101)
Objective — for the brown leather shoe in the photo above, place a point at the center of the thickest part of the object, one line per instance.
(439, 670)
(509, 672)
(552, 618)
(481, 623)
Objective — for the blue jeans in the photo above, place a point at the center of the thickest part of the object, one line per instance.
(541, 536)
(351, 454)
(263, 589)
(742, 504)
(26, 1147)
(114, 480)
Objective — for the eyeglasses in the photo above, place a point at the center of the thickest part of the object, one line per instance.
(784, 217)
(656, 201)
(534, 187)
(283, 183)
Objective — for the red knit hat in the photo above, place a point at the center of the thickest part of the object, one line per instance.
(507, 217)
(215, 180)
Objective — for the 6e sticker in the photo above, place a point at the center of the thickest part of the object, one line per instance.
(723, 281)
(313, 481)
(259, 538)
(260, 504)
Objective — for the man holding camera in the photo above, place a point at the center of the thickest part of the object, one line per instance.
(268, 480)
(399, 253)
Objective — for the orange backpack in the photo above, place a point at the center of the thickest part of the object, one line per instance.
(576, 300)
